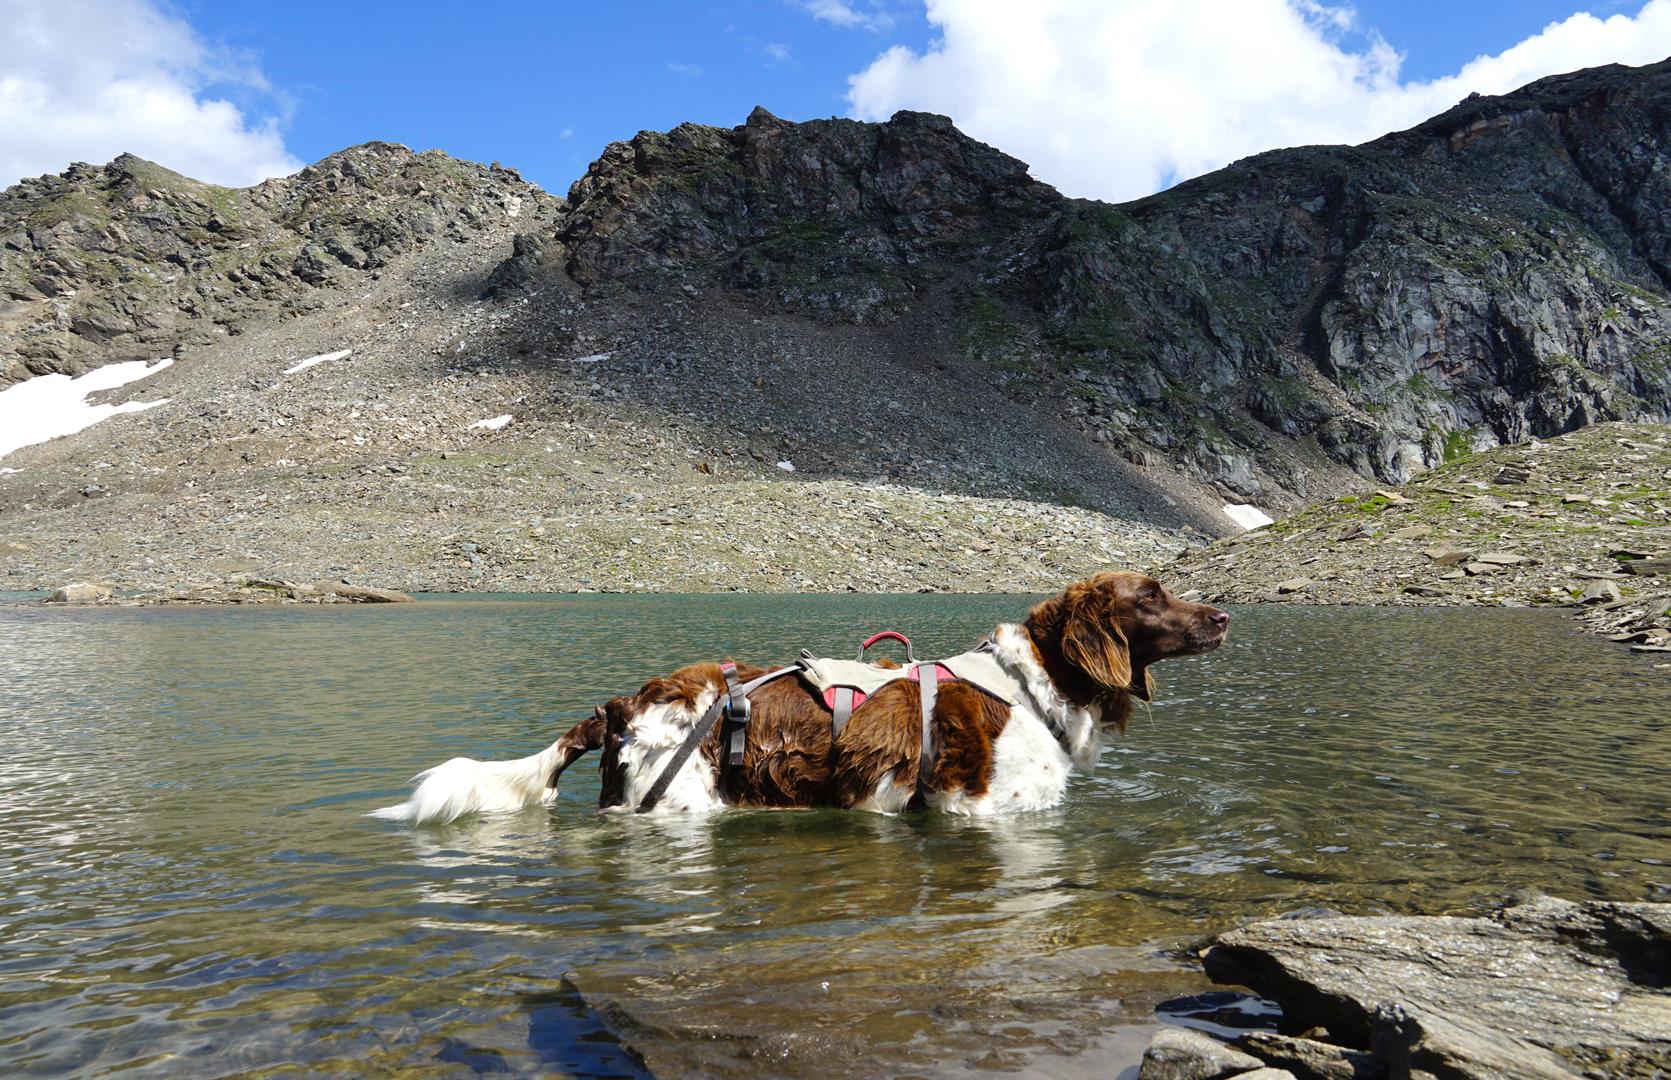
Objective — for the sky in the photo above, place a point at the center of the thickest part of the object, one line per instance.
(1110, 99)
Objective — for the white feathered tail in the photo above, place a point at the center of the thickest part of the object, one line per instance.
(467, 786)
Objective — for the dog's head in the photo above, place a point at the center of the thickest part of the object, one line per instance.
(1101, 635)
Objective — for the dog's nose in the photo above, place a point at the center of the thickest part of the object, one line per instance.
(1220, 618)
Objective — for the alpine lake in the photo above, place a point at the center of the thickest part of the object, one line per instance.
(189, 886)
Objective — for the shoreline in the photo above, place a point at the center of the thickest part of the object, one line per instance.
(1580, 522)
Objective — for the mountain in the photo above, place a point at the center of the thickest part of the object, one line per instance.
(129, 260)
(1499, 272)
(888, 302)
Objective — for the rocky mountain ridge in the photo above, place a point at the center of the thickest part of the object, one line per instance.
(1496, 273)
(863, 303)
(131, 261)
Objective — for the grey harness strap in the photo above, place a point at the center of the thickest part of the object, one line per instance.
(843, 710)
(928, 676)
(703, 726)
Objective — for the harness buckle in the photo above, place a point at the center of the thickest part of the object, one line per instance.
(737, 712)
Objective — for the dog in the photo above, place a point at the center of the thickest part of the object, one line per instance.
(1076, 663)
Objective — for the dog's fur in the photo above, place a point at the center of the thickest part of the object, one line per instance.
(1081, 658)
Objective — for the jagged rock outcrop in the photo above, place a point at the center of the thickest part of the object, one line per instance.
(129, 259)
(1496, 273)
(834, 218)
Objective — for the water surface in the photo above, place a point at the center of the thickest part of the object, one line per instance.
(188, 885)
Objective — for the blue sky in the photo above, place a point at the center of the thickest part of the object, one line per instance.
(1102, 97)
(544, 86)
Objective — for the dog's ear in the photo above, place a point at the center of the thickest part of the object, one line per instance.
(1094, 643)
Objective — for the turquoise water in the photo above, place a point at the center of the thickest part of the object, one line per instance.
(188, 885)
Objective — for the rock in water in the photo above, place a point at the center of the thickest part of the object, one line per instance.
(363, 594)
(81, 593)
(1180, 1054)
(1549, 988)
(1310, 1058)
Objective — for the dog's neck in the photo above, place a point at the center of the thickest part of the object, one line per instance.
(1077, 726)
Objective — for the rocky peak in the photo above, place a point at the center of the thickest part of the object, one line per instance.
(794, 212)
(131, 259)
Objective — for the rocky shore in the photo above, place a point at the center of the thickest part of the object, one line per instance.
(1582, 520)
(1542, 990)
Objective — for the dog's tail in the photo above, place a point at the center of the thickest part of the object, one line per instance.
(466, 786)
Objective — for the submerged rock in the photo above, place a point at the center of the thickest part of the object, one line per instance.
(1549, 988)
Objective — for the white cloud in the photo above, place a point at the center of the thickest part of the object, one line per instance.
(85, 80)
(778, 53)
(684, 69)
(1119, 98)
(869, 16)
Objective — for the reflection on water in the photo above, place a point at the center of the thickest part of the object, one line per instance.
(187, 885)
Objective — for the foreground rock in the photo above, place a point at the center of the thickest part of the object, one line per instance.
(1549, 988)
(1180, 1054)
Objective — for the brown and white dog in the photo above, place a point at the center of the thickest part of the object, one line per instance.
(1080, 658)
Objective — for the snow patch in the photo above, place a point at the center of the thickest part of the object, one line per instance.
(1247, 515)
(320, 359)
(9, 472)
(49, 406)
(495, 423)
(789, 466)
(595, 358)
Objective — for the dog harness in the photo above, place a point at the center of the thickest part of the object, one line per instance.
(844, 685)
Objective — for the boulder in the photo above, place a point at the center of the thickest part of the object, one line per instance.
(1311, 1058)
(1600, 592)
(1549, 988)
(1181, 1054)
(362, 594)
(80, 593)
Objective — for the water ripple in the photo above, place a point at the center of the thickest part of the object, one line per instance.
(187, 885)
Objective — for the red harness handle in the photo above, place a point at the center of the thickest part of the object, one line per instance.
(894, 635)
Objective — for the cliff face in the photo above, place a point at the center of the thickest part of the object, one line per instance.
(1498, 272)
